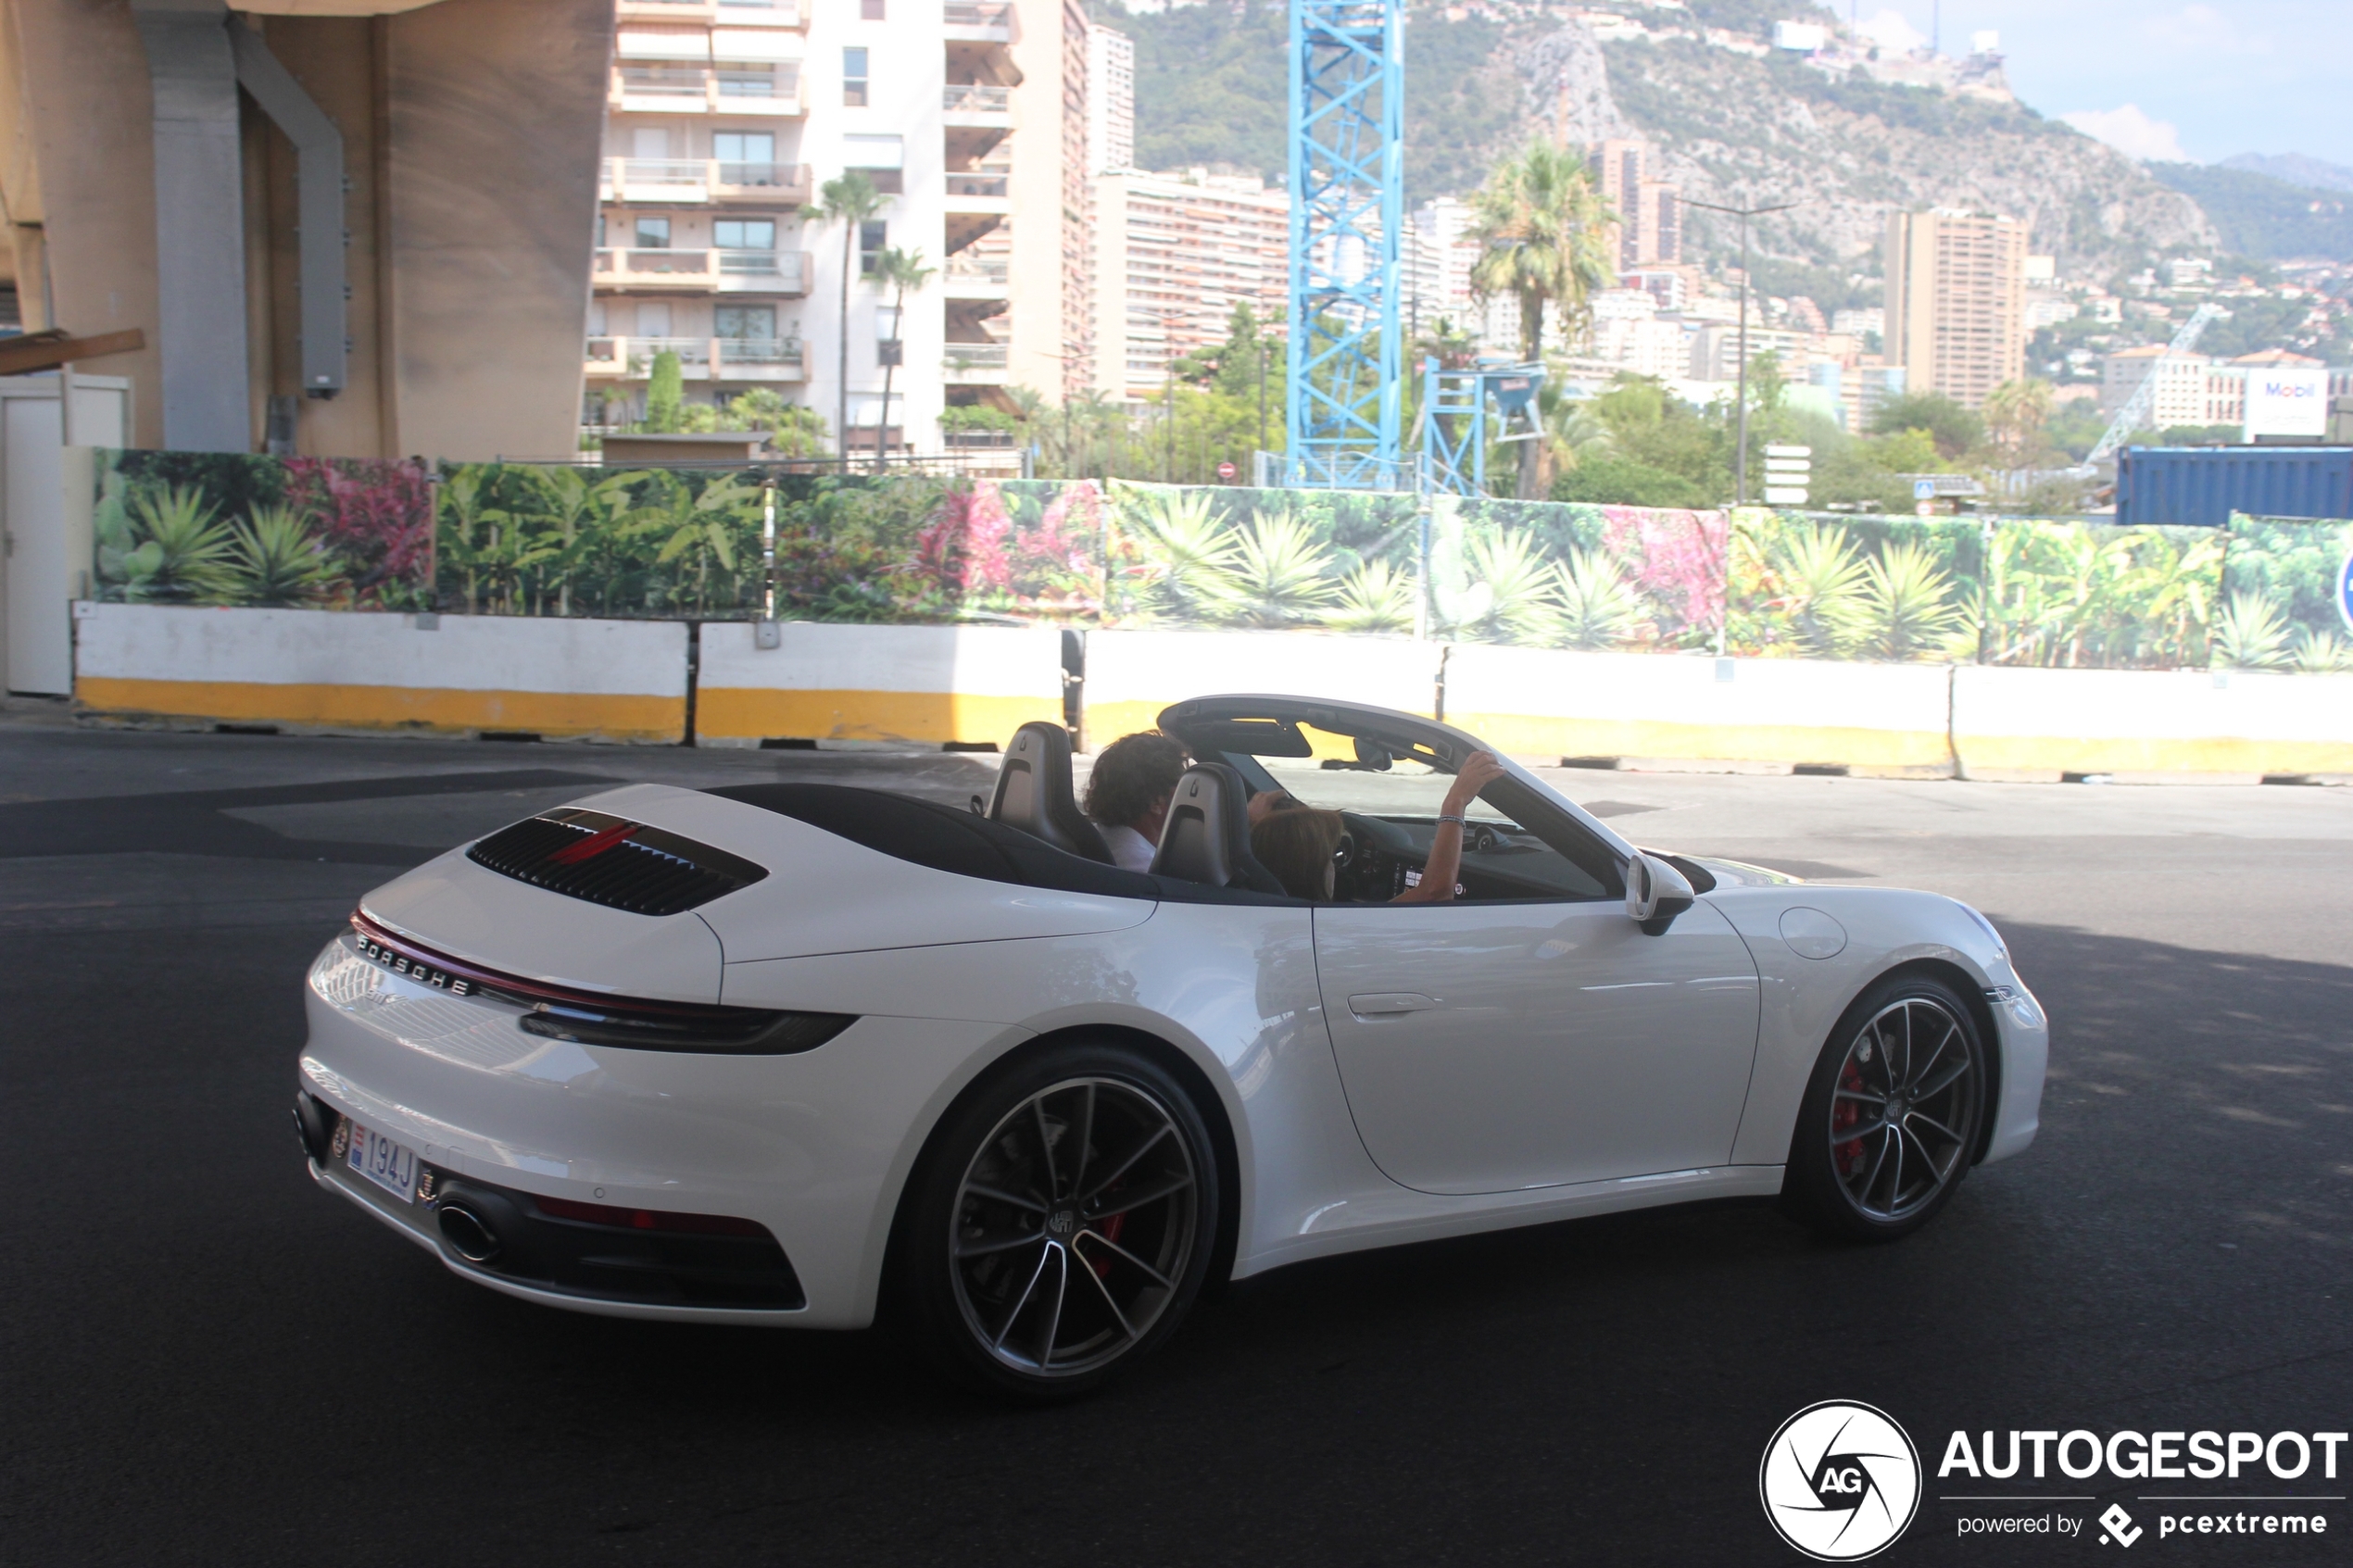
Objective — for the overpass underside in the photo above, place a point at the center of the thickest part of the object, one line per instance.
(343, 227)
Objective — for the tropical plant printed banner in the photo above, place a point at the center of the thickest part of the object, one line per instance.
(541, 539)
(2284, 598)
(221, 529)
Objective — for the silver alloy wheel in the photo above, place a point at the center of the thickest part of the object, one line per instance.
(1903, 1109)
(1073, 1226)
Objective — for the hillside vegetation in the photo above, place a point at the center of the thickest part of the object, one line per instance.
(1210, 89)
(2270, 219)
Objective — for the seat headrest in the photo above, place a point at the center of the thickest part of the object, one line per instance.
(1207, 835)
(1034, 793)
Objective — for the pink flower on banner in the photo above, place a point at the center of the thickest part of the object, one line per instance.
(1677, 558)
(376, 518)
(963, 549)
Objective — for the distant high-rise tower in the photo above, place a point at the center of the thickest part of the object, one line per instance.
(1624, 165)
(1957, 302)
(1660, 243)
(1111, 99)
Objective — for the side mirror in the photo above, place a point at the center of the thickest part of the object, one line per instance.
(1656, 893)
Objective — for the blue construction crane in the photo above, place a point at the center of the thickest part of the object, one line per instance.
(1343, 407)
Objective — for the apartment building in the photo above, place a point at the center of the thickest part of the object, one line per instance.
(1956, 307)
(1174, 255)
(1649, 230)
(725, 117)
(2192, 389)
(1435, 261)
(1111, 99)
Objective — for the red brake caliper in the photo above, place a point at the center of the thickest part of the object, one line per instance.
(1110, 1229)
(1845, 1113)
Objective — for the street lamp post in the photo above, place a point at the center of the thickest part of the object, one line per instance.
(1740, 473)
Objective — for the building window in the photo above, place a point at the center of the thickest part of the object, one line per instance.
(755, 323)
(870, 11)
(743, 234)
(881, 159)
(872, 238)
(745, 157)
(853, 77)
(653, 233)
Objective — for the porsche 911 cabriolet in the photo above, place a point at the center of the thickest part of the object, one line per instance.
(803, 1055)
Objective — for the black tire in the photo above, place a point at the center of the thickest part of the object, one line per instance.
(1038, 1295)
(1855, 1178)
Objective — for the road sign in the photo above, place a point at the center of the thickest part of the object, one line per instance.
(1784, 495)
(1789, 470)
(1226, 471)
(2345, 591)
(1923, 490)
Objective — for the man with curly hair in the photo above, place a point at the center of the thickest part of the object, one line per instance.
(1127, 794)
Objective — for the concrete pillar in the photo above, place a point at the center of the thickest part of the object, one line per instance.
(199, 208)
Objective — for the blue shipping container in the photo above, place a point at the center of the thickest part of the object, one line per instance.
(2201, 486)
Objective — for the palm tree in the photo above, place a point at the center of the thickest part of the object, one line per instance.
(902, 270)
(1543, 230)
(2015, 412)
(849, 201)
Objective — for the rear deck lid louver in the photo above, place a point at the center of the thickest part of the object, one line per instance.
(613, 861)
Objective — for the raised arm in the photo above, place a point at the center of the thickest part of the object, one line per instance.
(1437, 886)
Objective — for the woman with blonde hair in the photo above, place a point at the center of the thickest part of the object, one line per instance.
(1299, 845)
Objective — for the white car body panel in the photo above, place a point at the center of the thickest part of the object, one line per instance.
(1672, 1068)
(1491, 1047)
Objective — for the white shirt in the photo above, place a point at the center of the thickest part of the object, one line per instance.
(1130, 851)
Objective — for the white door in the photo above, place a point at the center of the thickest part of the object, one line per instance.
(40, 625)
(1491, 1046)
(44, 569)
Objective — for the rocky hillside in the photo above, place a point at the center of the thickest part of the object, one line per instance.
(1732, 127)
(1739, 130)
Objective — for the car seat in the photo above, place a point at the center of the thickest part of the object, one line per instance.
(1034, 793)
(1207, 835)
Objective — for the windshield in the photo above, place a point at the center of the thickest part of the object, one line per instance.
(1390, 790)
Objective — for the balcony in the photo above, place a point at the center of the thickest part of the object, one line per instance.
(661, 87)
(749, 13)
(978, 195)
(699, 359)
(977, 103)
(694, 182)
(975, 364)
(978, 21)
(977, 277)
(782, 272)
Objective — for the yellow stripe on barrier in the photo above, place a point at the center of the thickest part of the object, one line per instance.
(2217, 755)
(762, 712)
(615, 717)
(1522, 734)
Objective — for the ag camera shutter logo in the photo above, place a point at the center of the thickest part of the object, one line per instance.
(1841, 1481)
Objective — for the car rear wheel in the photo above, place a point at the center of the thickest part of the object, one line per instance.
(1059, 1225)
(1889, 1123)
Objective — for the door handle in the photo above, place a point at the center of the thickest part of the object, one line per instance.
(1381, 1004)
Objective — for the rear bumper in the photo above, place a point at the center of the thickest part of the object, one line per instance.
(815, 1146)
(415, 1222)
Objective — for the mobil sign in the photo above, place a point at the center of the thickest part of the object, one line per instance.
(2287, 402)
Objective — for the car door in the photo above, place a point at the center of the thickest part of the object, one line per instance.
(1494, 1046)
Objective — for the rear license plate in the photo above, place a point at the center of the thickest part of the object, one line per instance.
(390, 1165)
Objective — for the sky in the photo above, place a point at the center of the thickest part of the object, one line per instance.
(2161, 78)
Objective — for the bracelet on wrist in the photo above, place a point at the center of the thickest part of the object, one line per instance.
(1445, 818)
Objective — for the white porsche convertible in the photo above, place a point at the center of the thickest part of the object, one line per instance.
(802, 1055)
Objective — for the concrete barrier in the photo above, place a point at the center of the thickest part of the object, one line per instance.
(1132, 676)
(928, 684)
(609, 679)
(2039, 724)
(1535, 702)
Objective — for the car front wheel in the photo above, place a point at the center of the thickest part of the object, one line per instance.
(1058, 1225)
(1890, 1117)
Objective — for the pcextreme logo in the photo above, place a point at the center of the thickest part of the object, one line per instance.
(1841, 1481)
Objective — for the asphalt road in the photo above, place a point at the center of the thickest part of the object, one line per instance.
(208, 1361)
